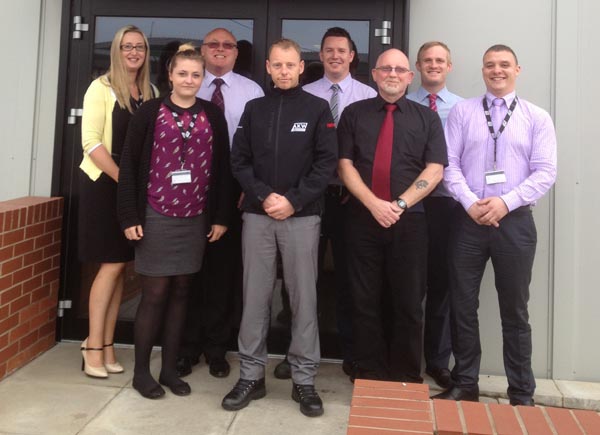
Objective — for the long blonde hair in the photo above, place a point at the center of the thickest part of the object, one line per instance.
(117, 73)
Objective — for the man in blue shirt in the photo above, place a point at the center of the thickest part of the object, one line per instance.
(434, 64)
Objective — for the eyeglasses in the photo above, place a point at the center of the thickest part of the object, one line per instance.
(226, 45)
(388, 69)
(140, 48)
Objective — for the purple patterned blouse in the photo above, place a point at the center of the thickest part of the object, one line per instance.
(188, 199)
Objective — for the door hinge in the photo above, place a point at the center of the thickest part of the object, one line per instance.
(74, 113)
(63, 305)
(385, 32)
(79, 26)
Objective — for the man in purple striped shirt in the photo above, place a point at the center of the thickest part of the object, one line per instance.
(502, 159)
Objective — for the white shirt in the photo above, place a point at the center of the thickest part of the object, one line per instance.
(237, 90)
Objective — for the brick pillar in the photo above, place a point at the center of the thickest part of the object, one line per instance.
(30, 238)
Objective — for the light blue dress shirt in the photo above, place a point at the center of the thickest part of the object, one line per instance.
(445, 100)
(237, 91)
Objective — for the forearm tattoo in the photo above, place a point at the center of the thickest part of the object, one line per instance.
(421, 184)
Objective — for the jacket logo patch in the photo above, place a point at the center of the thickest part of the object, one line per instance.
(299, 126)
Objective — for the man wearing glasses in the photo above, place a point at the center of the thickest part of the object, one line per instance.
(392, 155)
(221, 274)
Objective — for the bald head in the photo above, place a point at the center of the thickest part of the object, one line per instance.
(392, 74)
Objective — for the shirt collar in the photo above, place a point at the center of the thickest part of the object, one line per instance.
(209, 77)
(508, 98)
(344, 84)
(196, 108)
(400, 103)
(423, 94)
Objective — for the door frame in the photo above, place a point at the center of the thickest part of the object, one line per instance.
(75, 76)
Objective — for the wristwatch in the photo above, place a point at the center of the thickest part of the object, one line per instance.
(402, 203)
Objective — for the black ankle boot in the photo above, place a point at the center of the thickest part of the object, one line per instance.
(243, 392)
(311, 404)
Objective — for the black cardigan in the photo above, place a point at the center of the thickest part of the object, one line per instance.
(132, 193)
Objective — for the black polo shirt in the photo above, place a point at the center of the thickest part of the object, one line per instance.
(418, 140)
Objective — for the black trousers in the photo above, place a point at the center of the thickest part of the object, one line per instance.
(511, 248)
(437, 345)
(333, 224)
(216, 288)
(395, 257)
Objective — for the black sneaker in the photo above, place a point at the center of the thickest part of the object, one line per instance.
(243, 392)
(311, 404)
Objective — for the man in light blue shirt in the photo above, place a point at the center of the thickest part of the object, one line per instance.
(339, 89)
(434, 64)
(220, 279)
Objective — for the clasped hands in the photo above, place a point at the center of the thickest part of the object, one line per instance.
(488, 211)
(278, 207)
(386, 213)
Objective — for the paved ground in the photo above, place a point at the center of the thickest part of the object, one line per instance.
(52, 396)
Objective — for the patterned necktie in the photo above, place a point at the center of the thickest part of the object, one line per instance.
(380, 183)
(217, 96)
(334, 102)
(433, 102)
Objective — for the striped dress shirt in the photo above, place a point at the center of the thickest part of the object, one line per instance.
(526, 152)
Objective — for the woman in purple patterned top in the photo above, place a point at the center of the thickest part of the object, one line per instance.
(174, 196)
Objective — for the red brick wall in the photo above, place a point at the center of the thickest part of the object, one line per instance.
(30, 237)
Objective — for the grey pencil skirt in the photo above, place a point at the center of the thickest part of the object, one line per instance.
(171, 245)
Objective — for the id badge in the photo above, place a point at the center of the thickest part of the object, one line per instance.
(495, 177)
(181, 176)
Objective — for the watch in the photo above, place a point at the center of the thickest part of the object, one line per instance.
(402, 203)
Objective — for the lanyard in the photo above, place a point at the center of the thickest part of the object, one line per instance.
(488, 117)
(185, 134)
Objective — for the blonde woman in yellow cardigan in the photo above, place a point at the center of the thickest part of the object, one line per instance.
(108, 106)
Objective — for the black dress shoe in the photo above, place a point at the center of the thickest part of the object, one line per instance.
(441, 377)
(176, 385)
(184, 365)
(347, 368)
(311, 404)
(148, 388)
(219, 367)
(243, 392)
(456, 393)
(283, 370)
(522, 402)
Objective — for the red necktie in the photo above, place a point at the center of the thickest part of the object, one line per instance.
(217, 96)
(432, 102)
(380, 183)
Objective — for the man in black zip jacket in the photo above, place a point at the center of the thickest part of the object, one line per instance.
(284, 154)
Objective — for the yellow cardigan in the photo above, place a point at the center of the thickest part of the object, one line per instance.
(96, 124)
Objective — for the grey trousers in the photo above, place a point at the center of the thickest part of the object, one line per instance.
(297, 238)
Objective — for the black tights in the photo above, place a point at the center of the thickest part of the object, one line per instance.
(164, 301)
